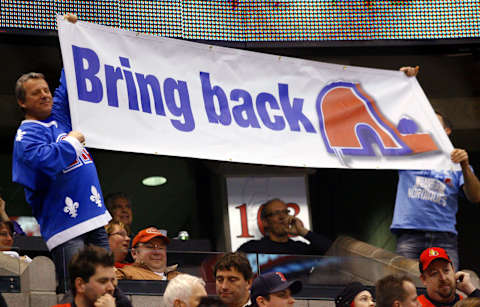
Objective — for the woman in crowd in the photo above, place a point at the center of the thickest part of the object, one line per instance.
(355, 295)
(119, 242)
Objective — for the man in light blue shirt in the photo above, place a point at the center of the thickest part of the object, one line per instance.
(427, 204)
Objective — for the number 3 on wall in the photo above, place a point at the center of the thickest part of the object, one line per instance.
(244, 219)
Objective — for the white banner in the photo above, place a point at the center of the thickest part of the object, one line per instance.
(247, 194)
(140, 93)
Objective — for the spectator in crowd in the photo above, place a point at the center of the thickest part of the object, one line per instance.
(233, 279)
(6, 241)
(6, 235)
(439, 277)
(396, 291)
(427, 202)
(468, 302)
(273, 290)
(119, 242)
(355, 295)
(150, 254)
(95, 256)
(120, 207)
(184, 291)
(278, 225)
(92, 278)
(208, 301)
(17, 230)
(58, 175)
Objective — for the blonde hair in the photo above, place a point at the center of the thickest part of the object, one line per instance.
(109, 227)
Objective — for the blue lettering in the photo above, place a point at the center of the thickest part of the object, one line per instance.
(112, 75)
(244, 114)
(84, 74)
(262, 99)
(208, 93)
(131, 89)
(143, 84)
(293, 112)
(170, 86)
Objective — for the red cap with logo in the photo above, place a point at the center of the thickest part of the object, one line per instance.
(147, 234)
(430, 254)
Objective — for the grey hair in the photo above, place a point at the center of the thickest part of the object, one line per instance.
(19, 89)
(180, 288)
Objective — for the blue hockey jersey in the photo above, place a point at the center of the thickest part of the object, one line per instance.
(58, 174)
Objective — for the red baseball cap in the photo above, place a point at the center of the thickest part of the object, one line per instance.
(147, 234)
(430, 254)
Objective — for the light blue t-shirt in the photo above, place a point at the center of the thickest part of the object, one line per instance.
(427, 200)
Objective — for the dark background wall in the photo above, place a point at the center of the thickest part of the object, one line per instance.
(354, 202)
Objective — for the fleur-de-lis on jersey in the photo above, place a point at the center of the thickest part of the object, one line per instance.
(20, 135)
(71, 207)
(95, 197)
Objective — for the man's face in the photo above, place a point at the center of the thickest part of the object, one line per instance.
(439, 279)
(102, 282)
(277, 299)
(38, 99)
(276, 219)
(6, 240)
(411, 299)
(122, 211)
(232, 288)
(198, 291)
(153, 254)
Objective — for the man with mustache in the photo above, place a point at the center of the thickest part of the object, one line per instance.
(278, 225)
(441, 281)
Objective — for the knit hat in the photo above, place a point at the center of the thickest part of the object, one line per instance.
(346, 297)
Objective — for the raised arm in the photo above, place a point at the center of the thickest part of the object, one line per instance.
(471, 185)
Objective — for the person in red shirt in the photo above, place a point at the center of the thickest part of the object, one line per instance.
(439, 277)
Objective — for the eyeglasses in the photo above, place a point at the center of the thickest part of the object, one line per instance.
(151, 246)
(120, 233)
(5, 234)
(277, 213)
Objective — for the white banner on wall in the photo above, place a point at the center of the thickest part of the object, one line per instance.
(247, 194)
(139, 93)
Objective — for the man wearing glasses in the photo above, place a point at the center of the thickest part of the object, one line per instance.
(149, 249)
(278, 225)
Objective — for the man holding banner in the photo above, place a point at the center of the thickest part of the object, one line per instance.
(427, 202)
(57, 172)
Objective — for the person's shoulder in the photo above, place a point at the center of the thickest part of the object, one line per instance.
(424, 301)
(29, 128)
(297, 243)
(250, 246)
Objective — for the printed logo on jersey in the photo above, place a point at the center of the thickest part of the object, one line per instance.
(70, 207)
(20, 135)
(351, 122)
(95, 197)
(83, 159)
